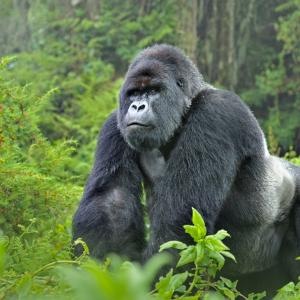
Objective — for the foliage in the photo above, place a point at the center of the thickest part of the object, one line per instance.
(290, 291)
(292, 157)
(33, 179)
(84, 57)
(84, 94)
(75, 55)
(207, 256)
(47, 142)
(117, 279)
(278, 85)
(36, 191)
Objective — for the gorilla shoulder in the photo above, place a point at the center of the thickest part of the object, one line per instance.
(222, 115)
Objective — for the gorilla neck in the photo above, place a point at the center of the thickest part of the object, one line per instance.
(169, 146)
(153, 162)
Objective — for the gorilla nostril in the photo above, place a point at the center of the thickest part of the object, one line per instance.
(138, 106)
(141, 107)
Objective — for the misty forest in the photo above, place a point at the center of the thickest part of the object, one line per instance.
(62, 64)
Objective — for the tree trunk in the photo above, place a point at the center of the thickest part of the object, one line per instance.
(297, 141)
(22, 33)
(224, 29)
(93, 9)
(231, 54)
(187, 27)
(243, 34)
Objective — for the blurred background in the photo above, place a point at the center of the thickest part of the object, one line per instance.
(83, 48)
(63, 62)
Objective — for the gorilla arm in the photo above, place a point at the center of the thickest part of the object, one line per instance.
(109, 217)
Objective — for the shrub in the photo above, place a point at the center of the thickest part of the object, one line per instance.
(37, 194)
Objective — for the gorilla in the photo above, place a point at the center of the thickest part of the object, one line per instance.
(188, 144)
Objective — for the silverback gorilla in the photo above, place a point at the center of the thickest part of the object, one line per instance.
(191, 145)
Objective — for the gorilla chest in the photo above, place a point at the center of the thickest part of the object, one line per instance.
(152, 164)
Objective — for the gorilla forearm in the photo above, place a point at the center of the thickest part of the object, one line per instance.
(111, 221)
(110, 217)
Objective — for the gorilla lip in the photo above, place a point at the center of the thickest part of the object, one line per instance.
(137, 124)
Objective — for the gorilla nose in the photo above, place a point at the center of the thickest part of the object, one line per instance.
(138, 106)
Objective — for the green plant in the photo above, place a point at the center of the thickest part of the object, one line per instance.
(207, 256)
(117, 279)
(37, 193)
(290, 291)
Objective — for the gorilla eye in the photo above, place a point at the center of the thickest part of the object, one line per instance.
(152, 92)
(179, 82)
(133, 93)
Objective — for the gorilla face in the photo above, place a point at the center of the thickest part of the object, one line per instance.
(151, 109)
(154, 98)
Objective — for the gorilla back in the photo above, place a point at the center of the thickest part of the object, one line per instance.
(192, 146)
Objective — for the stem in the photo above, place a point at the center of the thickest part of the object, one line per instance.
(241, 295)
(5, 280)
(53, 264)
(152, 292)
(190, 289)
(45, 267)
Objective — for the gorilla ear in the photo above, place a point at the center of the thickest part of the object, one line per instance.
(179, 82)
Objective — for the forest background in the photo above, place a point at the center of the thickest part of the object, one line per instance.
(63, 62)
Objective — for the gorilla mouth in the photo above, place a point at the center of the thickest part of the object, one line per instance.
(137, 124)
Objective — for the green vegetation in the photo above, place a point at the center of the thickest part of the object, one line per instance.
(62, 66)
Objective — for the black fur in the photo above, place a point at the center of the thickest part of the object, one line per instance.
(192, 146)
(115, 224)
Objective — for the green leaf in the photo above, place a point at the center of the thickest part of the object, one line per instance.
(228, 293)
(198, 220)
(229, 283)
(218, 258)
(192, 231)
(168, 284)
(163, 286)
(290, 287)
(3, 246)
(154, 264)
(213, 296)
(200, 252)
(198, 231)
(172, 244)
(257, 296)
(181, 289)
(214, 244)
(196, 297)
(221, 234)
(187, 256)
(177, 280)
(228, 254)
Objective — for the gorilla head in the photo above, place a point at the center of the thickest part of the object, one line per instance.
(158, 89)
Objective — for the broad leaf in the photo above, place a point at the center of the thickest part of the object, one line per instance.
(172, 244)
(187, 256)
